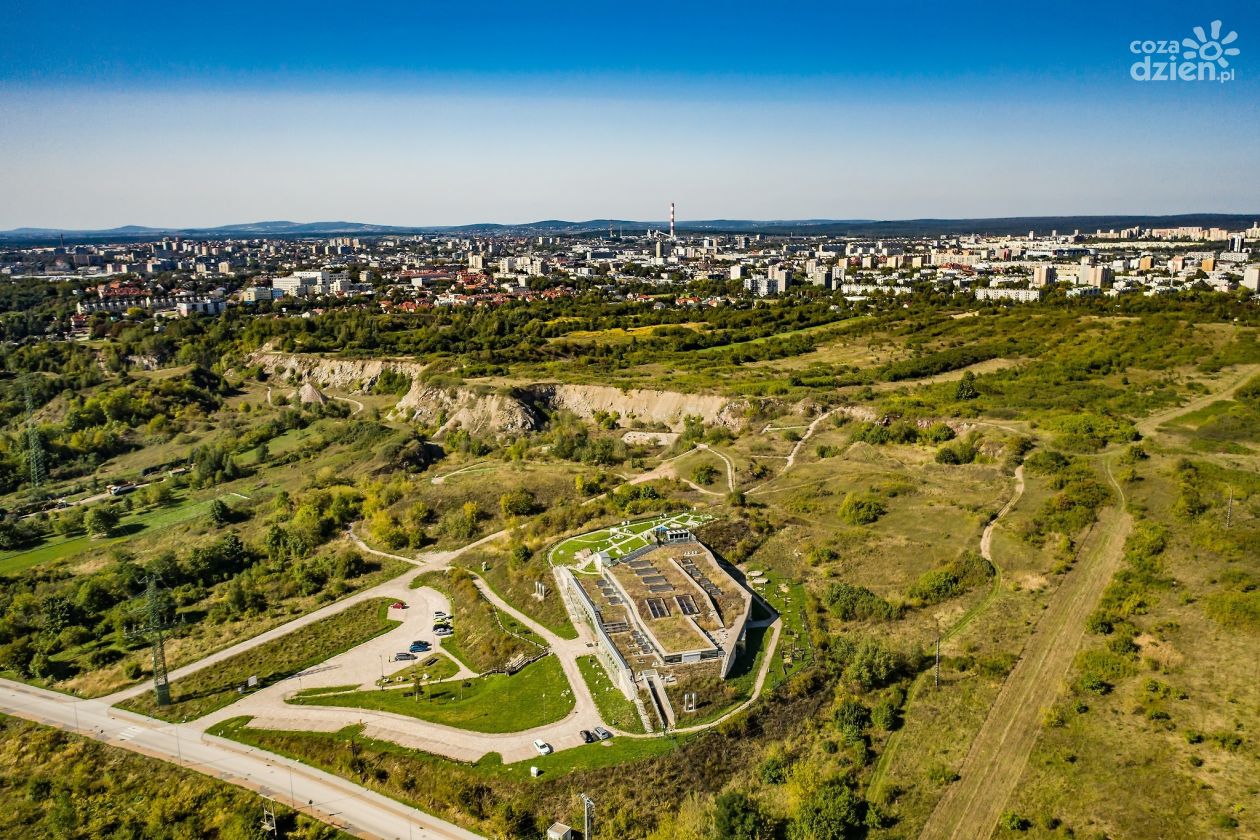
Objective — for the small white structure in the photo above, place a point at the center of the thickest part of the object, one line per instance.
(559, 831)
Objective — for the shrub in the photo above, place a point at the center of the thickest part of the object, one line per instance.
(854, 603)
(857, 509)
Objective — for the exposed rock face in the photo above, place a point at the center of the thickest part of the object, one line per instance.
(522, 408)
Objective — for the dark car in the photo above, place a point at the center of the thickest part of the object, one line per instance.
(419, 647)
(400, 657)
(587, 737)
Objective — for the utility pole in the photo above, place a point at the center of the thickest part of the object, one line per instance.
(269, 826)
(938, 654)
(1229, 510)
(153, 628)
(588, 817)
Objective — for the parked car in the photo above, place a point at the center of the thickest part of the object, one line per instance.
(543, 747)
(440, 616)
(443, 631)
(399, 657)
(587, 737)
(602, 733)
(419, 647)
(398, 605)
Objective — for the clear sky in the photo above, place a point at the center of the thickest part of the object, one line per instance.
(417, 113)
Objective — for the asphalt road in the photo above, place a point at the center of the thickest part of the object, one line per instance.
(326, 797)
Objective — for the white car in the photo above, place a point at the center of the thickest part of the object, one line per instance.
(543, 747)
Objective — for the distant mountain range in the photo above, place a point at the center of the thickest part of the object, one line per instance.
(558, 227)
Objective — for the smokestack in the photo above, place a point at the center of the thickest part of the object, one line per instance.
(671, 221)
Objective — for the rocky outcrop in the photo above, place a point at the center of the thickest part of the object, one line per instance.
(516, 409)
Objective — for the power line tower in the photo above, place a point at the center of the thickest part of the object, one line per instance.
(153, 628)
(34, 443)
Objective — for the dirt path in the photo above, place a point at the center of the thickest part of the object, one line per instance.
(972, 805)
(1148, 425)
(993, 766)
(791, 456)
(730, 466)
(887, 757)
(358, 406)
(986, 539)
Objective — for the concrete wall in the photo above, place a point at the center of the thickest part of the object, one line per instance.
(611, 658)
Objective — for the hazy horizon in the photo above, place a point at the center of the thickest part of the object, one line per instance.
(410, 117)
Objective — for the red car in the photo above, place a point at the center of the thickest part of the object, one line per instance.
(398, 605)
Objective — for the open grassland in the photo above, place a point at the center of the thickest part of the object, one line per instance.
(1164, 695)
(512, 574)
(536, 695)
(214, 687)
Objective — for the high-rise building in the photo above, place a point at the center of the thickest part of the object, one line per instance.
(1251, 278)
(1044, 275)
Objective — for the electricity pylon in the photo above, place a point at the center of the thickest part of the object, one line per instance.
(34, 443)
(153, 629)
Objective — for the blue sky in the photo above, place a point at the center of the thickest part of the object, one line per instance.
(427, 113)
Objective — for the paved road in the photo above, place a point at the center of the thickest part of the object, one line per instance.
(396, 588)
(324, 796)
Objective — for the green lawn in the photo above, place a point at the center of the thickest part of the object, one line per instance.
(614, 707)
(622, 539)
(443, 668)
(537, 695)
(129, 526)
(214, 687)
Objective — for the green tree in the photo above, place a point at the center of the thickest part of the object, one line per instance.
(738, 817)
(832, 812)
(966, 389)
(101, 520)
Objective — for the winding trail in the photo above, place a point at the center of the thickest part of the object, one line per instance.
(889, 754)
(791, 456)
(358, 406)
(972, 806)
(730, 465)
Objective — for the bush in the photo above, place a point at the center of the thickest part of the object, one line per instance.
(832, 812)
(1014, 822)
(738, 817)
(961, 574)
(859, 509)
(857, 603)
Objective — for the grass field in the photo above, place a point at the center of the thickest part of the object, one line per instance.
(614, 707)
(130, 526)
(620, 540)
(442, 669)
(534, 696)
(214, 687)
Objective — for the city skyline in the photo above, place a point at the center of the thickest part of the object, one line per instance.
(408, 118)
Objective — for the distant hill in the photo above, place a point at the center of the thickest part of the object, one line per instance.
(559, 227)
